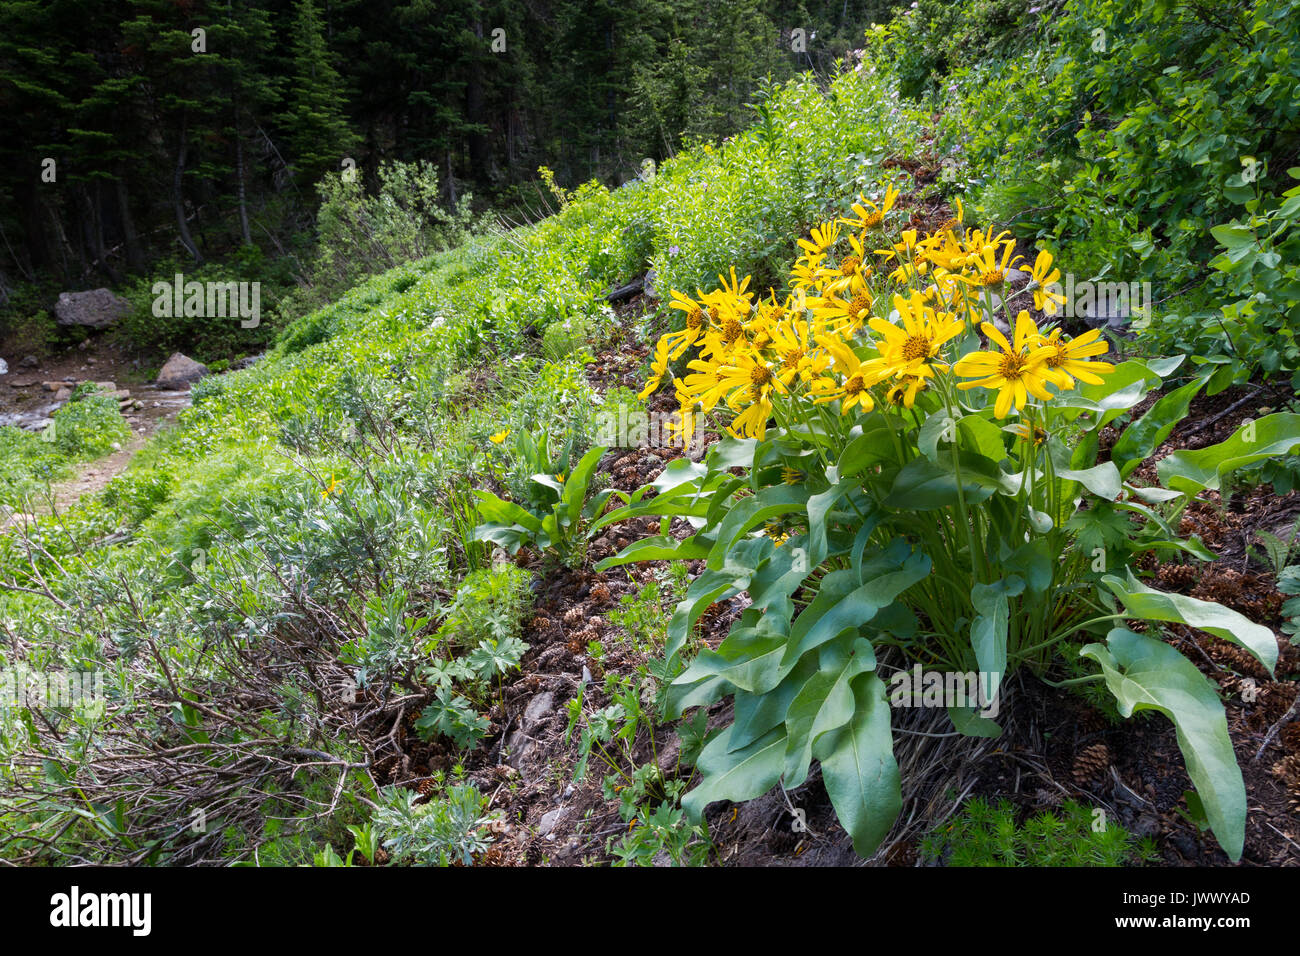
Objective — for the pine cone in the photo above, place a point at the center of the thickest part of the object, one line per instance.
(1091, 762)
(1288, 768)
(575, 616)
(600, 595)
(1290, 736)
(1176, 577)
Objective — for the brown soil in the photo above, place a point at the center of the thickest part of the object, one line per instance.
(95, 360)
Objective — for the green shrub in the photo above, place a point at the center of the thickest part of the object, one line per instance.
(451, 828)
(90, 425)
(489, 606)
(982, 834)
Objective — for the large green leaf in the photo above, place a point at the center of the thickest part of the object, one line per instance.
(1146, 674)
(969, 723)
(1102, 480)
(859, 769)
(829, 616)
(1144, 436)
(771, 502)
(714, 584)
(922, 485)
(988, 632)
(660, 548)
(873, 446)
(494, 509)
(824, 703)
(574, 493)
(1152, 605)
(736, 775)
(1118, 392)
(749, 658)
(1195, 470)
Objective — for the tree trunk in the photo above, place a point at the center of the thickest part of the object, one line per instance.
(134, 254)
(95, 207)
(178, 198)
(479, 153)
(239, 189)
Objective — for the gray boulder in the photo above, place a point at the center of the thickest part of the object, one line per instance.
(179, 372)
(96, 309)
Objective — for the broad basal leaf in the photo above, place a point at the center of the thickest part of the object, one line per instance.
(1152, 605)
(1146, 674)
(859, 769)
(1195, 470)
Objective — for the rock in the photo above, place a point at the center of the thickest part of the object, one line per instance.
(29, 361)
(96, 309)
(180, 371)
(1015, 277)
(4, 367)
(550, 820)
(63, 394)
(238, 365)
(539, 708)
(519, 747)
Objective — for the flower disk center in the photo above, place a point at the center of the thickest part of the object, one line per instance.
(1012, 366)
(916, 347)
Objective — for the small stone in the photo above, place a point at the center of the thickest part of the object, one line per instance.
(29, 361)
(539, 707)
(549, 821)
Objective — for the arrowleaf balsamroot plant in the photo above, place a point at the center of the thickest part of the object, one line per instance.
(896, 491)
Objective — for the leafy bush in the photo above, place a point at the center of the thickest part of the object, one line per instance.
(450, 828)
(1123, 131)
(359, 235)
(882, 478)
(207, 337)
(983, 834)
(89, 425)
(489, 606)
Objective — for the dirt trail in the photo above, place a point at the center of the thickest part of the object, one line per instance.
(24, 398)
